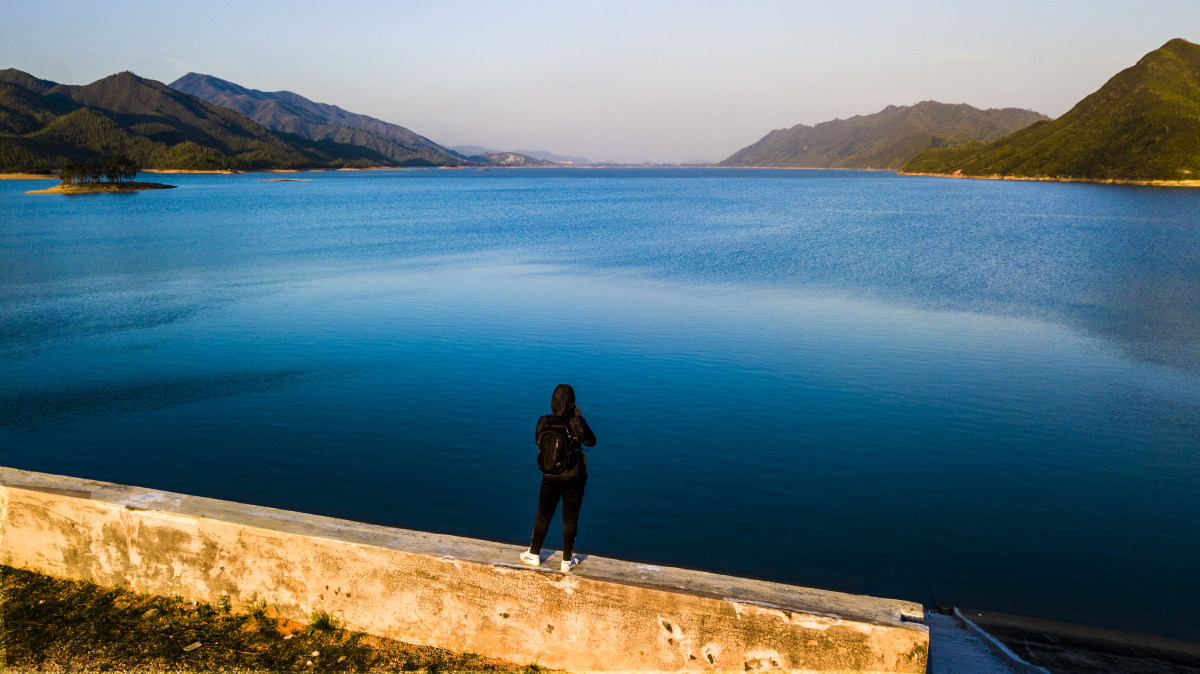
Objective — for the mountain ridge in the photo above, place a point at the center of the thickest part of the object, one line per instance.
(1142, 125)
(289, 112)
(44, 124)
(882, 140)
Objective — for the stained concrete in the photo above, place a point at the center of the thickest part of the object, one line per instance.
(447, 591)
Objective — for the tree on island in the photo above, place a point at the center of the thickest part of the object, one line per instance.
(118, 169)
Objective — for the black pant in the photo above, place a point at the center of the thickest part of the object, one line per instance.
(570, 489)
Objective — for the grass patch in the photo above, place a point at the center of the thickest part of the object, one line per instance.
(53, 624)
(323, 621)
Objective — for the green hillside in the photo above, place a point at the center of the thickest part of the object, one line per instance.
(1143, 124)
(286, 112)
(23, 111)
(44, 125)
(884, 140)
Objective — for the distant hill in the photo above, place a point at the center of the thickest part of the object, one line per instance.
(472, 150)
(556, 158)
(287, 112)
(44, 125)
(884, 140)
(468, 150)
(508, 159)
(1143, 124)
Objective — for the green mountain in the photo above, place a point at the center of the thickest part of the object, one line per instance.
(44, 125)
(291, 113)
(884, 140)
(1143, 124)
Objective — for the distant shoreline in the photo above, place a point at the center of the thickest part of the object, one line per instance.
(222, 171)
(297, 170)
(798, 168)
(101, 188)
(27, 176)
(1062, 179)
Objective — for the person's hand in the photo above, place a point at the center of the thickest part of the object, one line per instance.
(577, 412)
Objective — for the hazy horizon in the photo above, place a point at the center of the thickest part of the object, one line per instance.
(661, 82)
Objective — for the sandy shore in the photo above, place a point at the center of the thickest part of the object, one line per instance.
(101, 189)
(27, 176)
(1045, 179)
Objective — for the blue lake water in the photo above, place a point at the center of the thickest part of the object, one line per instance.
(975, 393)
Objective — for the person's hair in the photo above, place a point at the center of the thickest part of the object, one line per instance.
(562, 403)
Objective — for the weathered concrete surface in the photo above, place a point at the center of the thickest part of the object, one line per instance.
(954, 649)
(456, 593)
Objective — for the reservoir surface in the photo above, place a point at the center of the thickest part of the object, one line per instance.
(961, 392)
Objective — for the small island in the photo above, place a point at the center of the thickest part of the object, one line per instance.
(115, 175)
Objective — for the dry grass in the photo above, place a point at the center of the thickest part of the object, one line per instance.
(50, 624)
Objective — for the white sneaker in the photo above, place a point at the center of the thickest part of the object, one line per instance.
(531, 559)
(568, 564)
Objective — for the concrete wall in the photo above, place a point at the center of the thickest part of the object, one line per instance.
(456, 593)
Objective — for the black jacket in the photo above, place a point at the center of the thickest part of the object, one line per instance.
(562, 406)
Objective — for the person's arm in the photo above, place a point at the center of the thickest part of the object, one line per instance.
(581, 430)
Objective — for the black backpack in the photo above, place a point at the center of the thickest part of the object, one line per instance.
(554, 447)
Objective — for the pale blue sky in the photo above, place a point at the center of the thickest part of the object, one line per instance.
(630, 81)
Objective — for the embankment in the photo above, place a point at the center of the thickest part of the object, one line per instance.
(457, 593)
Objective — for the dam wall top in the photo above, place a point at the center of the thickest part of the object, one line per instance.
(448, 591)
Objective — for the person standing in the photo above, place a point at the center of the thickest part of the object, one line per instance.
(566, 485)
